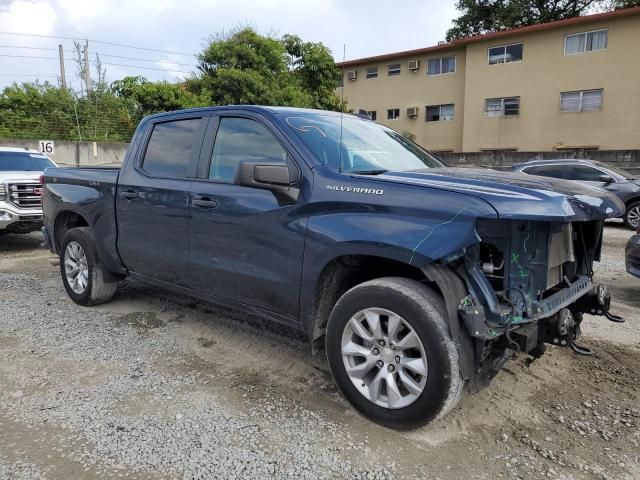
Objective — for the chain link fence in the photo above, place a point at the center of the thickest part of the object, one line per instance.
(67, 125)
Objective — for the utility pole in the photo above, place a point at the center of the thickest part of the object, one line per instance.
(63, 79)
(87, 68)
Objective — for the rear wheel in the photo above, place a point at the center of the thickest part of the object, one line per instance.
(391, 353)
(83, 275)
(632, 216)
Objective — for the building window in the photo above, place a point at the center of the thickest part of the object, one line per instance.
(502, 107)
(372, 114)
(438, 66)
(372, 72)
(581, 101)
(440, 113)
(394, 69)
(585, 42)
(393, 113)
(505, 54)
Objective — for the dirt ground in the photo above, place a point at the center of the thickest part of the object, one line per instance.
(67, 372)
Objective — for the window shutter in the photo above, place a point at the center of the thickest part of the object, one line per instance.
(591, 100)
(570, 102)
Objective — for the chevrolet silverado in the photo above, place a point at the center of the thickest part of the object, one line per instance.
(420, 281)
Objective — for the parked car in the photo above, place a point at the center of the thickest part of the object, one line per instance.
(420, 280)
(632, 254)
(624, 185)
(21, 190)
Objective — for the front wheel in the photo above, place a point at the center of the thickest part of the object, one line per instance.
(83, 275)
(632, 216)
(391, 353)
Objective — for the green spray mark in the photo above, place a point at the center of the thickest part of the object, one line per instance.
(413, 252)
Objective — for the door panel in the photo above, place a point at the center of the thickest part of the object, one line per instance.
(247, 244)
(152, 207)
(248, 248)
(153, 228)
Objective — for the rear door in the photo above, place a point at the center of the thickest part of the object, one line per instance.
(246, 243)
(591, 175)
(153, 198)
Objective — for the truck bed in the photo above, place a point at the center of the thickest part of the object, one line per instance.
(88, 195)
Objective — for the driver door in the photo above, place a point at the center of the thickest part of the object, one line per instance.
(246, 243)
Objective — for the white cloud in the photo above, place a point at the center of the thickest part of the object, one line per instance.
(367, 27)
(85, 12)
(24, 16)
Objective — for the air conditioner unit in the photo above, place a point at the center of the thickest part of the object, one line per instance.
(352, 74)
(413, 112)
(414, 65)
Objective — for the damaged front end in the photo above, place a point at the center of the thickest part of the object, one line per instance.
(527, 283)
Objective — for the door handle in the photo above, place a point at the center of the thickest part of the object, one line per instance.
(129, 195)
(204, 202)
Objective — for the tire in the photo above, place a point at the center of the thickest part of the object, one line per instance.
(632, 215)
(78, 248)
(422, 311)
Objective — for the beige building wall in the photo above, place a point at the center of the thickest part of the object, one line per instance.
(413, 89)
(538, 80)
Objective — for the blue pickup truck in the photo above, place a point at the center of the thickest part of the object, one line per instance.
(419, 281)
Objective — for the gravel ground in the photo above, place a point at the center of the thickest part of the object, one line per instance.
(154, 385)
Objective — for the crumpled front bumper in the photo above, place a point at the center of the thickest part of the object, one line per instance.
(19, 220)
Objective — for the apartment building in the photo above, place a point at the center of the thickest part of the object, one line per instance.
(570, 84)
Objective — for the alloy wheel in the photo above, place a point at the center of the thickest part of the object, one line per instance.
(384, 358)
(76, 267)
(633, 216)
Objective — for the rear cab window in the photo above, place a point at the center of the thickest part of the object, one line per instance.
(172, 147)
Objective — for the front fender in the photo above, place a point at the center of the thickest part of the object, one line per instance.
(414, 236)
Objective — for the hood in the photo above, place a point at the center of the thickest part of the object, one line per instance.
(519, 196)
(29, 176)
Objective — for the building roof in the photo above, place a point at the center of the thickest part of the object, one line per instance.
(540, 27)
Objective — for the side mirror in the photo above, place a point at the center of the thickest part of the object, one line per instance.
(267, 175)
(606, 179)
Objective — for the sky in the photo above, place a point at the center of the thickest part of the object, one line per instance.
(180, 28)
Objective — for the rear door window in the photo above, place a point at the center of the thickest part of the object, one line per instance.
(554, 171)
(242, 139)
(583, 173)
(171, 147)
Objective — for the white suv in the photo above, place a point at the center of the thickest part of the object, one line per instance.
(21, 190)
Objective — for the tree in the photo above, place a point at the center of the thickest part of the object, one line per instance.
(618, 4)
(142, 97)
(244, 67)
(484, 16)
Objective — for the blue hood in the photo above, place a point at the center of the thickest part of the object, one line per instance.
(518, 196)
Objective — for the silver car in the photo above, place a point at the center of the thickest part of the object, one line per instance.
(624, 185)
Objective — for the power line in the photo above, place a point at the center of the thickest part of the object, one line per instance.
(25, 75)
(146, 60)
(144, 68)
(98, 41)
(30, 48)
(27, 56)
(99, 53)
(168, 70)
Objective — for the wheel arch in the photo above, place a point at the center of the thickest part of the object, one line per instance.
(66, 220)
(339, 274)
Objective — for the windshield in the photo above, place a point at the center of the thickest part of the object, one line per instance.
(24, 162)
(367, 147)
(619, 171)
